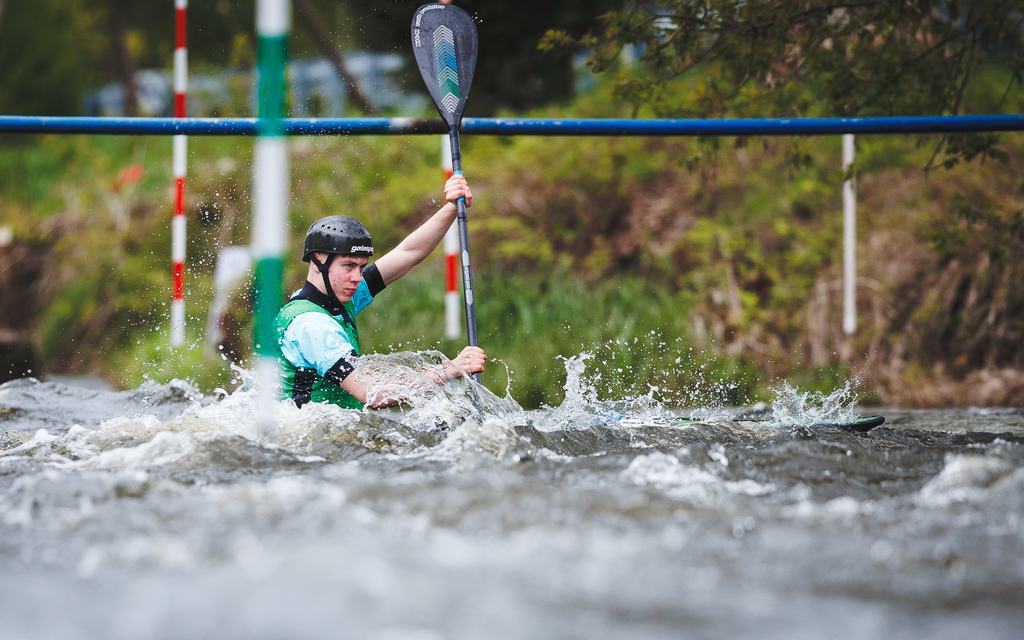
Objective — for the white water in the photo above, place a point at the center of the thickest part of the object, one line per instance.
(164, 513)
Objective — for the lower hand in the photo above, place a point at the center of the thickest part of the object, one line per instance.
(470, 360)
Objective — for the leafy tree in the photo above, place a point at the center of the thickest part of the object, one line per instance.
(807, 57)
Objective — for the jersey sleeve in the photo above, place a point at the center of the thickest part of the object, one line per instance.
(371, 284)
(315, 341)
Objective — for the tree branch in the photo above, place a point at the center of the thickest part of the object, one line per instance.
(313, 23)
(122, 59)
(966, 70)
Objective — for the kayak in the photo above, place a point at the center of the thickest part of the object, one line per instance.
(860, 423)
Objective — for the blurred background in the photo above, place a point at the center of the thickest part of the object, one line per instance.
(673, 261)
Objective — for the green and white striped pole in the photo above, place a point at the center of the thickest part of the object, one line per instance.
(270, 189)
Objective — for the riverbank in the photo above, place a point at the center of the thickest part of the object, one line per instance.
(676, 263)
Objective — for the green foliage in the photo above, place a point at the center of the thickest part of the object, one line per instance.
(803, 57)
(620, 248)
(979, 226)
(39, 71)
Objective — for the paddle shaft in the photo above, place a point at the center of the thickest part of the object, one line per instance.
(463, 222)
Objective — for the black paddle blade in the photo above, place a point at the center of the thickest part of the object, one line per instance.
(444, 41)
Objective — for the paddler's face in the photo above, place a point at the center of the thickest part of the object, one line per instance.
(345, 273)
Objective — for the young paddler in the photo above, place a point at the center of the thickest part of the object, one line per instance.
(316, 329)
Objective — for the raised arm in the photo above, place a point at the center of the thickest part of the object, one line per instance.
(417, 245)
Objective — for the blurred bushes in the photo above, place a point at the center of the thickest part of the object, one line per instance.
(702, 268)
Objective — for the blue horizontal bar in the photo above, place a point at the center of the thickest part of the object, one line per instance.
(742, 127)
(214, 126)
(515, 126)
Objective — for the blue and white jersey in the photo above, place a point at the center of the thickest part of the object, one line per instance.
(314, 341)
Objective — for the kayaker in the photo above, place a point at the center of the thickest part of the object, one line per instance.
(316, 329)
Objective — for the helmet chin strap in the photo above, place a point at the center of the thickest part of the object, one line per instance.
(323, 268)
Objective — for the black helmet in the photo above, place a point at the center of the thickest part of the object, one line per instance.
(337, 235)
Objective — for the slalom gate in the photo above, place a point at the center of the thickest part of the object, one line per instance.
(271, 164)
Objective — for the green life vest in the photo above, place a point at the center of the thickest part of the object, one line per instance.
(304, 384)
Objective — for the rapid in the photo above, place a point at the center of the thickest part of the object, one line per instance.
(163, 512)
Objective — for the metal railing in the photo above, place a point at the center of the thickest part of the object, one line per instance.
(516, 126)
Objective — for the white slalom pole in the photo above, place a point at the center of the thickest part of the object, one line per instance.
(179, 164)
(849, 239)
(232, 264)
(452, 312)
(270, 196)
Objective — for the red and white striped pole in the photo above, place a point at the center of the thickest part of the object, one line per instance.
(452, 319)
(179, 164)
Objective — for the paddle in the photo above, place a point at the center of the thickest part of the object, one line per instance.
(445, 43)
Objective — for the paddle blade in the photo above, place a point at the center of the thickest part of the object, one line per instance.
(444, 42)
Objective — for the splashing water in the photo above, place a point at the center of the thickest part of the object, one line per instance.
(170, 512)
(412, 376)
(704, 401)
(791, 406)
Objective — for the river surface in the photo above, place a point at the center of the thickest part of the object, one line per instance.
(161, 512)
